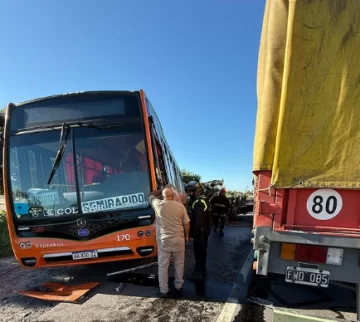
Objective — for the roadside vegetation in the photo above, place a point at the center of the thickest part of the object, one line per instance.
(5, 247)
(190, 176)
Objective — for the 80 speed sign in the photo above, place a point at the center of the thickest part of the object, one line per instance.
(324, 204)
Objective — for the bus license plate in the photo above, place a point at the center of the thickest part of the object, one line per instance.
(307, 276)
(85, 255)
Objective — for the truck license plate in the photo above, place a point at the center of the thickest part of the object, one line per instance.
(307, 276)
(85, 255)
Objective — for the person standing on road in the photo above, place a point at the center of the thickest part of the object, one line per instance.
(200, 230)
(190, 200)
(220, 205)
(172, 232)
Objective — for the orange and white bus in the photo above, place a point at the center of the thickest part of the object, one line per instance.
(77, 170)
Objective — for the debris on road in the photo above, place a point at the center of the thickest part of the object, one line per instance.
(60, 292)
(132, 269)
(119, 289)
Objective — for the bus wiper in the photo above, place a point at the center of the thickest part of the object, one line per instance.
(65, 130)
(127, 122)
(97, 125)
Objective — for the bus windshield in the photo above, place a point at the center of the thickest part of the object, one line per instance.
(111, 172)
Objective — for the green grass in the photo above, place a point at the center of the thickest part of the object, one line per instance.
(5, 246)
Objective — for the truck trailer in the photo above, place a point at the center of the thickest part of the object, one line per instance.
(307, 143)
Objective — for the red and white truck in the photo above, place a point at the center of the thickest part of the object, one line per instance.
(307, 142)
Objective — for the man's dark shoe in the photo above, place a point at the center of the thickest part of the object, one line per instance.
(162, 295)
(178, 291)
(221, 233)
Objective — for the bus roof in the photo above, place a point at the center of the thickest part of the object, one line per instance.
(41, 99)
(44, 98)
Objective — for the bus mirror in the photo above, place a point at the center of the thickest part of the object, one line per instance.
(151, 120)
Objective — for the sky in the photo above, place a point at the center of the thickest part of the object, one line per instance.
(195, 59)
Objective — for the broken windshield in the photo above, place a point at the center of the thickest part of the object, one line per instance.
(112, 172)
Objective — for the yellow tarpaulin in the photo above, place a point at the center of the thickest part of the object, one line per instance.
(308, 118)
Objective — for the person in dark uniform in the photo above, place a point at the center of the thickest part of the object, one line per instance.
(220, 208)
(190, 189)
(200, 227)
(191, 200)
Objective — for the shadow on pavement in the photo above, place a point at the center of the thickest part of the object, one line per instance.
(195, 290)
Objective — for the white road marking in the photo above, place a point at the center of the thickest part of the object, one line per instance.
(238, 292)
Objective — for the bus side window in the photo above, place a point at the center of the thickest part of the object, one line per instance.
(155, 129)
(166, 164)
(161, 163)
(181, 181)
(176, 178)
(171, 169)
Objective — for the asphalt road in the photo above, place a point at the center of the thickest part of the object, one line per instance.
(216, 299)
(226, 296)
